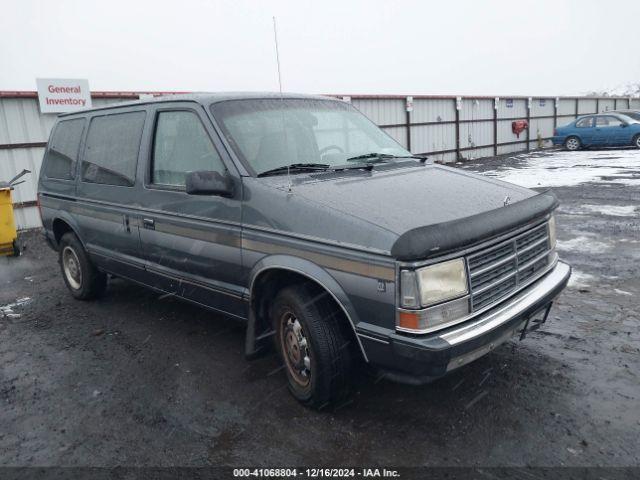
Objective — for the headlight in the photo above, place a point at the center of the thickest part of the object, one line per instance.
(443, 283)
(433, 284)
(552, 231)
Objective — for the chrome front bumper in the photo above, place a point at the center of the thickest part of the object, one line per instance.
(413, 359)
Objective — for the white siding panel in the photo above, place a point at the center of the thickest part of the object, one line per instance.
(542, 107)
(473, 109)
(606, 105)
(567, 106)
(382, 111)
(477, 153)
(433, 110)
(518, 108)
(586, 105)
(432, 138)
(477, 134)
(26, 218)
(518, 147)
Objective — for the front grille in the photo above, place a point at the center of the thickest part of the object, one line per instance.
(497, 271)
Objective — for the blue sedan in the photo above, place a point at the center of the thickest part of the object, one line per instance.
(603, 130)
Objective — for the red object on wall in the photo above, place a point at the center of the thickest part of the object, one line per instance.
(519, 126)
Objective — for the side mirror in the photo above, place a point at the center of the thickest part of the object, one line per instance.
(623, 125)
(209, 183)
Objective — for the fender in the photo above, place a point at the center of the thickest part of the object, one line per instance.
(69, 220)
(314, 273)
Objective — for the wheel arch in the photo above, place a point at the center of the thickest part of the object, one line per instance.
(284, 270)
(62, 224)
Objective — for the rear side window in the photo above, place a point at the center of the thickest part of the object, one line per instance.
(181, 145)
(63, 149)
(608, 121)
(585, 122)
(112, 146)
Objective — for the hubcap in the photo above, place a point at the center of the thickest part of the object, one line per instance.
(295, 349)
(572, 144)
(71, 267)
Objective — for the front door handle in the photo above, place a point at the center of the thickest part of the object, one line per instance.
(149, 223)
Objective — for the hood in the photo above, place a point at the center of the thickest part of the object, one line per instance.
(389, 201)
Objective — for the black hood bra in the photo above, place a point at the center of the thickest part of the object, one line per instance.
(434, 240)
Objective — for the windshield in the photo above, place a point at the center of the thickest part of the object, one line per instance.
(271, 133)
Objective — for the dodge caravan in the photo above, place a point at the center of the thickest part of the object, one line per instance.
(297, 215)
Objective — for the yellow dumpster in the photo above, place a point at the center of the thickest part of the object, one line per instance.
(8, 234)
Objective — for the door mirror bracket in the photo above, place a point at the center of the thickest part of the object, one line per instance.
(209, 183)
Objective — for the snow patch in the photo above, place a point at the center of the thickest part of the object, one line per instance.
(7, 310)
(622, 292)
(580, 279)
(582, 245)
(612, 210)
(568, 169)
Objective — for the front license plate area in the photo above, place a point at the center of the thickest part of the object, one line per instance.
(535, 321)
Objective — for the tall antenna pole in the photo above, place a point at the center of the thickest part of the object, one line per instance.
(275, 38)
(284, 128)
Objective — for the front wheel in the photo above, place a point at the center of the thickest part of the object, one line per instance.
(636, 141)
(572, 144)
(82, 278)
(314, 345)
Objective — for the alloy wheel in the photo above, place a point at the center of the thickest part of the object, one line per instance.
(573, 144)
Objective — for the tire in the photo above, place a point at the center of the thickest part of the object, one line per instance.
(314, 346)
(636, 141)
(83, 279)
(16, 249)
(572, 144)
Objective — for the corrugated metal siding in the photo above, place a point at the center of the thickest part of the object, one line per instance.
(542, 126)
(518, 108)
(586, 105)
(567, 106)
(477, 134)
(634, 103)
(606, 105)
(476, 109)
(382, 111)
(433, 110)
(21, 121)
(542, 107)
(433, 138)
(518, 147)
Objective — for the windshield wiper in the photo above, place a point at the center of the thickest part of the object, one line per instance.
(381, 157)
(370, 157)
(295, 167)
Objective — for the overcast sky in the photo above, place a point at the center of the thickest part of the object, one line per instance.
(545, 47)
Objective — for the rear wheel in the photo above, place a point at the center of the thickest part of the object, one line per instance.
(314, 346)
(636, 141)
(82, 278)
(572, 143)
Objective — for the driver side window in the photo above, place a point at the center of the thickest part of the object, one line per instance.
(181, 145)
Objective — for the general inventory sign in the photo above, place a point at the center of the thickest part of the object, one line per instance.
(58, 95)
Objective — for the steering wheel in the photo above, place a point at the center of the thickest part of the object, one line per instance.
(330, 147)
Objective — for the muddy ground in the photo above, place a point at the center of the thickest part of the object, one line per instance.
(133, 379)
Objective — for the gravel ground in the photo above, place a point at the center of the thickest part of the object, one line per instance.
(133, 379)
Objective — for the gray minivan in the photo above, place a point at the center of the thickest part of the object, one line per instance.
(298, 215)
